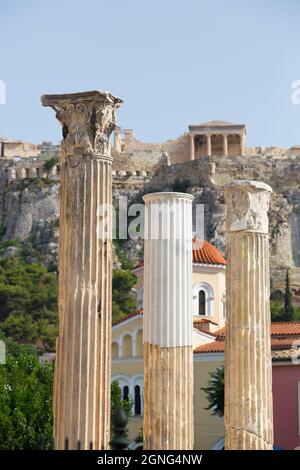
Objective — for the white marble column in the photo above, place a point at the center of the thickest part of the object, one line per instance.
(208, 143)
(83, 352)
(248, 366)
(168, 322)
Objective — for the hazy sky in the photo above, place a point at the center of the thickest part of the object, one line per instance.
(173, 62)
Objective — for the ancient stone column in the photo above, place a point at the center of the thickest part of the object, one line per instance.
(83, 352)
(248, 366)
(168, 323)
(192, 148)
(208, 143)
(225, 145)
(242, 144)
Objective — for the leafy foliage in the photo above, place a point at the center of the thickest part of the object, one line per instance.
(118, 402)
(181, 185)
(284, 310)
(50, 163)
(215, 392)
(25, 399)
(28, 302)
(123, 297)
(288, 312)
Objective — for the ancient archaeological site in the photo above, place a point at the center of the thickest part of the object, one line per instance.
(148, 324)
(201, 162)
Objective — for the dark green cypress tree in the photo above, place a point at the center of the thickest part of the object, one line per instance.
(215, 392)
(288, 313)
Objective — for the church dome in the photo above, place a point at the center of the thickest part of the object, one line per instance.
(206, 253)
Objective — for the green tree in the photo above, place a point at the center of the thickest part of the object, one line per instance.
(276, 308)
(215, 392)
(118, 402)
(25, 399)
(28, 302)
(288, 311)
(50, 163)
(123, 296)
(181, 185)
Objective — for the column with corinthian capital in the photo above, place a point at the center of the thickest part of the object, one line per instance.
(248, 366)
(83, 353)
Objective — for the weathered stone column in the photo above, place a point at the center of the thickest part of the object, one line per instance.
(248, 366)
(208, 143)
(242, 144)
(83, 353)
(225, 145)
(168, 324)
(192, 148)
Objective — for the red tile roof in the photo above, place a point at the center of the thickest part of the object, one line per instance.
(277, 329)
(206, 253)
(288, 331)
(130, 315)
(219, 345)
(203, 253)
(203, 320)
(285, 328)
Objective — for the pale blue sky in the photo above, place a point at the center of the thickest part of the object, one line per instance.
(173, 62)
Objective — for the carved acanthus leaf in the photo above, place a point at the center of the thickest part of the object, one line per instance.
(247, 206)
(87, 121)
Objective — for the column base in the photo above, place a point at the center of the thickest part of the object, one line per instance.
(168, 395)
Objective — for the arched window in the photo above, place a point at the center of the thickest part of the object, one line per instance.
(137, 401)
(139, 344)
(202, 300)
(127, 346)
(115, 350)
(125, 392)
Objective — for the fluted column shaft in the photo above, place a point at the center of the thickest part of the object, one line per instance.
(208, 145)
(248, 366)
(83, 352)
(192, 147)
(168, 326)
(225, 145)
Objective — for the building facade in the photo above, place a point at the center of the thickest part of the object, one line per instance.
(209, 346)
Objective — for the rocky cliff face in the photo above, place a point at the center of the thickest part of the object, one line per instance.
(30, 208)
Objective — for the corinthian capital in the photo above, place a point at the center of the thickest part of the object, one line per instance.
(87, 120)
(247, 206)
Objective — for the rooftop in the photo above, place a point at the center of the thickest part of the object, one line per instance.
(203, 253)
(282, 348)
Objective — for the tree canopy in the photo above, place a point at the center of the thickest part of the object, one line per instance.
(25, 399)
(215, 392)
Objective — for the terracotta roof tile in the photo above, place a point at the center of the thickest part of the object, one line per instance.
(214, 346)
(219, 346)
(277, 328)
(285, 328)
(203, 253)
(206, 253)
(203, 320)
(130, 315)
